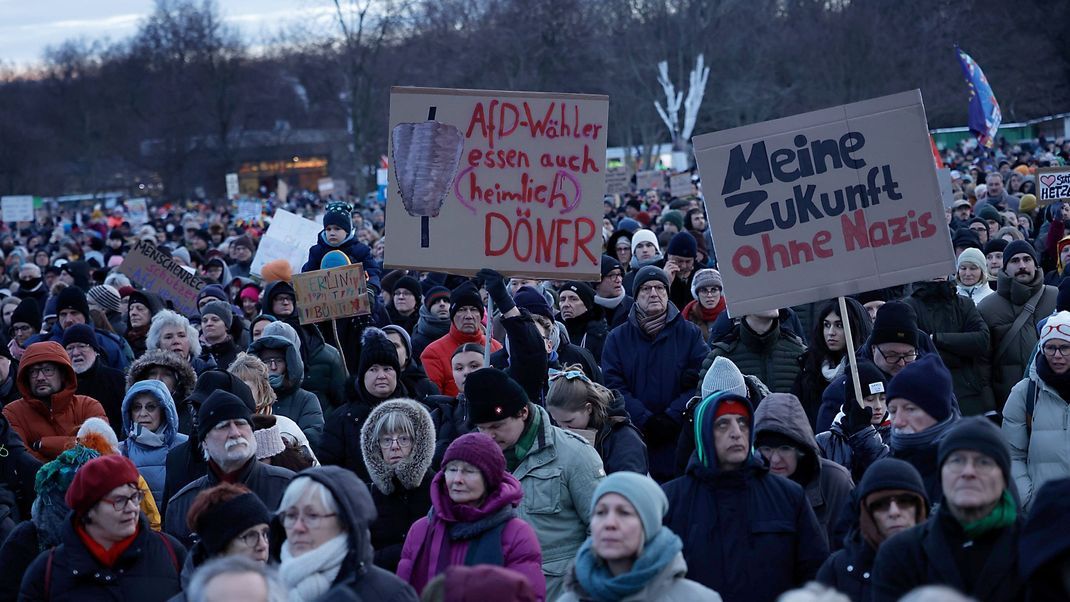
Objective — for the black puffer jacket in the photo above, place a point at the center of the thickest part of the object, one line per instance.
(619, 442)
(18, 470)
(773, 357)
(450, 415)
(340, 444)
(854, 452)
(850, 570)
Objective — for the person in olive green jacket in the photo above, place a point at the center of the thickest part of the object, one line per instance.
(762, 349)
(558, 470)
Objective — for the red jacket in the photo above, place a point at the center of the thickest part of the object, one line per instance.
(437, 358)
(54, 427)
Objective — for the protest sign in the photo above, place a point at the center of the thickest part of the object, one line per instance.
(512, 181)
(137, 211)
(156, 272)
(947, 194)
(325, 185)
(17, 208)
(680, 185)
(618, 180)
(331, 294)
(824, 204)
(288, 237)
(232, 185)
(649, 179)
(249, 210)
(1053, 185)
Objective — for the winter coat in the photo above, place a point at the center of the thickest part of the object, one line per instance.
(489, 534)
(619, 443)
(266, 481)
(524, 359)
(670, 585)
(589, 331)
(450, 415)
(18, 471)
(106, 385)
(615, 316)
(559, 476)
(416, 381)
(340, 444)
(222, 354)
(436, 357)
(962, 339)
(52, 425)
(402, 493)
(1041, 556)
(185, 464)
(850, 570)
(774, 357)
(357, 251)
(999, 312)
(428, 330)
(734, 523)
(1039, 453)
(325, 374)
(407, 322)
(975, 293)
(829, 485)
(292, 401)
(648, 375)
(810, 385)
(147, 570)
(17, 553)
(358, 578)
(113, 348)
(148, 449)
(937, 552)
(854, 452)
(185, 380)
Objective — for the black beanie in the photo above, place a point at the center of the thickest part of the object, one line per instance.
(465, 295)
(72, 297)
(376, 348)
(27, 312)
(977, 433)
(1017, 247)
(532, 300)
(582, 290)
(220, 523)
(412, 285)
(339, 214)
(870, 378)
(896, 322)
(212, 380)
(492, 396)
(891, 474)
(220, 407)
(682, 244)
(926, 383)
(996, 245)
(609, 264)
(81, 333)
(964, 238)
(646, 274)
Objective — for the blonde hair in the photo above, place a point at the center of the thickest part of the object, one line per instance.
(573, 395)
(251, 369)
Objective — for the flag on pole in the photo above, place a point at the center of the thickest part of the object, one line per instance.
(985, 115)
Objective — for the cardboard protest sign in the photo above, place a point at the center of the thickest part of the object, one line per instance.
(325, 185)
(1053, 185)
(156, 272)
(137, 211)
(618, 180)
(331, 294)
(680, 185)
(829, 203)
(508, 180)
(288, 237)
(649, 179)
(17, 208)
(947, 193)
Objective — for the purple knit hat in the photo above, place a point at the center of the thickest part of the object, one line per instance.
(482, 452)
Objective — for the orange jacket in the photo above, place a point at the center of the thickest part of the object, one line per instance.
(55, 425)
(437, 357)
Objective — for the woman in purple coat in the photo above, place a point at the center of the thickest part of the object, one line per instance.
(472, 519)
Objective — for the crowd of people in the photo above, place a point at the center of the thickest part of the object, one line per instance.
(623, 439)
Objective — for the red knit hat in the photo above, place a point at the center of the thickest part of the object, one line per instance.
(98, 477)
(730, 406)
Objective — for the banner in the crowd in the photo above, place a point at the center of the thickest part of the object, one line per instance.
(232, 186)
(331, 294)
(947, 193)
(829, 203)
(156, 272)
(649, 179)
(137, 211)
(325, 185)
(17, 208)
(618, 180)
(508, 180)
(288, 237)
(680, 185)
(249, 210)
(1053, 186)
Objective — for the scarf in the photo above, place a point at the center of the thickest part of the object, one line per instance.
(516, 454)
(596, 579)
(106, 557)
(923, 440)
(146, 438)
(1059, 382)
(651, 325)
(636, 264)
(610, 302)
(696, 311)
(1002, 516)
(16, 351)
(310, 575)
(829, 370)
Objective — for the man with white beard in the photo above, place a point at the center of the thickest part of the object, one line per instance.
(224, 426)
(95, 378)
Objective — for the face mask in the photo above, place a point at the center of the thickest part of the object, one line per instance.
(29, 283)
(275, 380)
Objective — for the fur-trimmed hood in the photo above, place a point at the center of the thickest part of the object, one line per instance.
(411, 471)
(185, 377)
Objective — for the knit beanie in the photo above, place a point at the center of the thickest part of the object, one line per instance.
(609, 264)
(1017, 247)
(277, 270)
(705, 278)
(891, 474)
(644, 235)
(870, 378)
(493, 396)
(250, 292)
(926, 383)
(54, 478)
(243, 241)
(72, 297)
(977, 433)
(412, 285)
(268, 437)
(646, 274)
(221, 309)
(486, 582)
(582, 290)
(215, 291)
(965, 238)
(27, 312)
(732, 407)
(211, 381)
(220, 523)
(974, 256)
(683, 245)
(988, 212)
(403, 334)
(465, 295)
(673, 217)
(723, 376)
(629, 225)
(97, 478)
(220, 407)
(896, 322)
(480, 451)
(80, 333)
(1057, 326)
(996, 245)
(435, 293)
(106, 296)
(533, 301)
(1027, 203)
(376, 348)
(644, 494)
(339, 214)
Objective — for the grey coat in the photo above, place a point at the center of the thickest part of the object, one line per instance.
(1041, 454)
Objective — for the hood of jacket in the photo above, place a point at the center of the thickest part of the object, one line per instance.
(295, 368)
(1018, 293)
(935, 290)
(356, 511)
(783, 414)
(704, 462)
(168, 412)
(272, 289)
(48, 351)
(409, 472)
(185, 377)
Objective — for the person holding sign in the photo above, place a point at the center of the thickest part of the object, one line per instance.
(338, 235)
(860, 431)
(466, 315)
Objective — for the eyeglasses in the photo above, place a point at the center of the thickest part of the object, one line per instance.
(148, 407)
(22, 328)
(1056, 350)
(252, 538)
(402, 293)
(273, 362)
(649, 289)
(895, 358)
(614, 275)
(47, 371)
(119, 502)
(311, 520)
(902, 500)
(386, 441)
(709, 290)
(782, 451)
(979, 228)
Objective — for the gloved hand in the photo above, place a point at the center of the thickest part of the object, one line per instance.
(689, 379)
(660, 429)
(855, 417)
(495, 286)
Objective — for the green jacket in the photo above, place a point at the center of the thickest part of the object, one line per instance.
(559, 476)
(774, 357)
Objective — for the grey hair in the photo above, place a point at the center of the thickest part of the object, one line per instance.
(31, 267)
(936, 593)
(302, 486)
(394, 422)
(166, 318)
(118, 280)
(813, 592)
(235, 565)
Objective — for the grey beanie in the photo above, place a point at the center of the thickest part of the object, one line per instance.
(221, 309)
(723, 376)
(704, 278)
(642, 492)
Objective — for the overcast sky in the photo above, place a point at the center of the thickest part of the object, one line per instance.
(27, 27)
